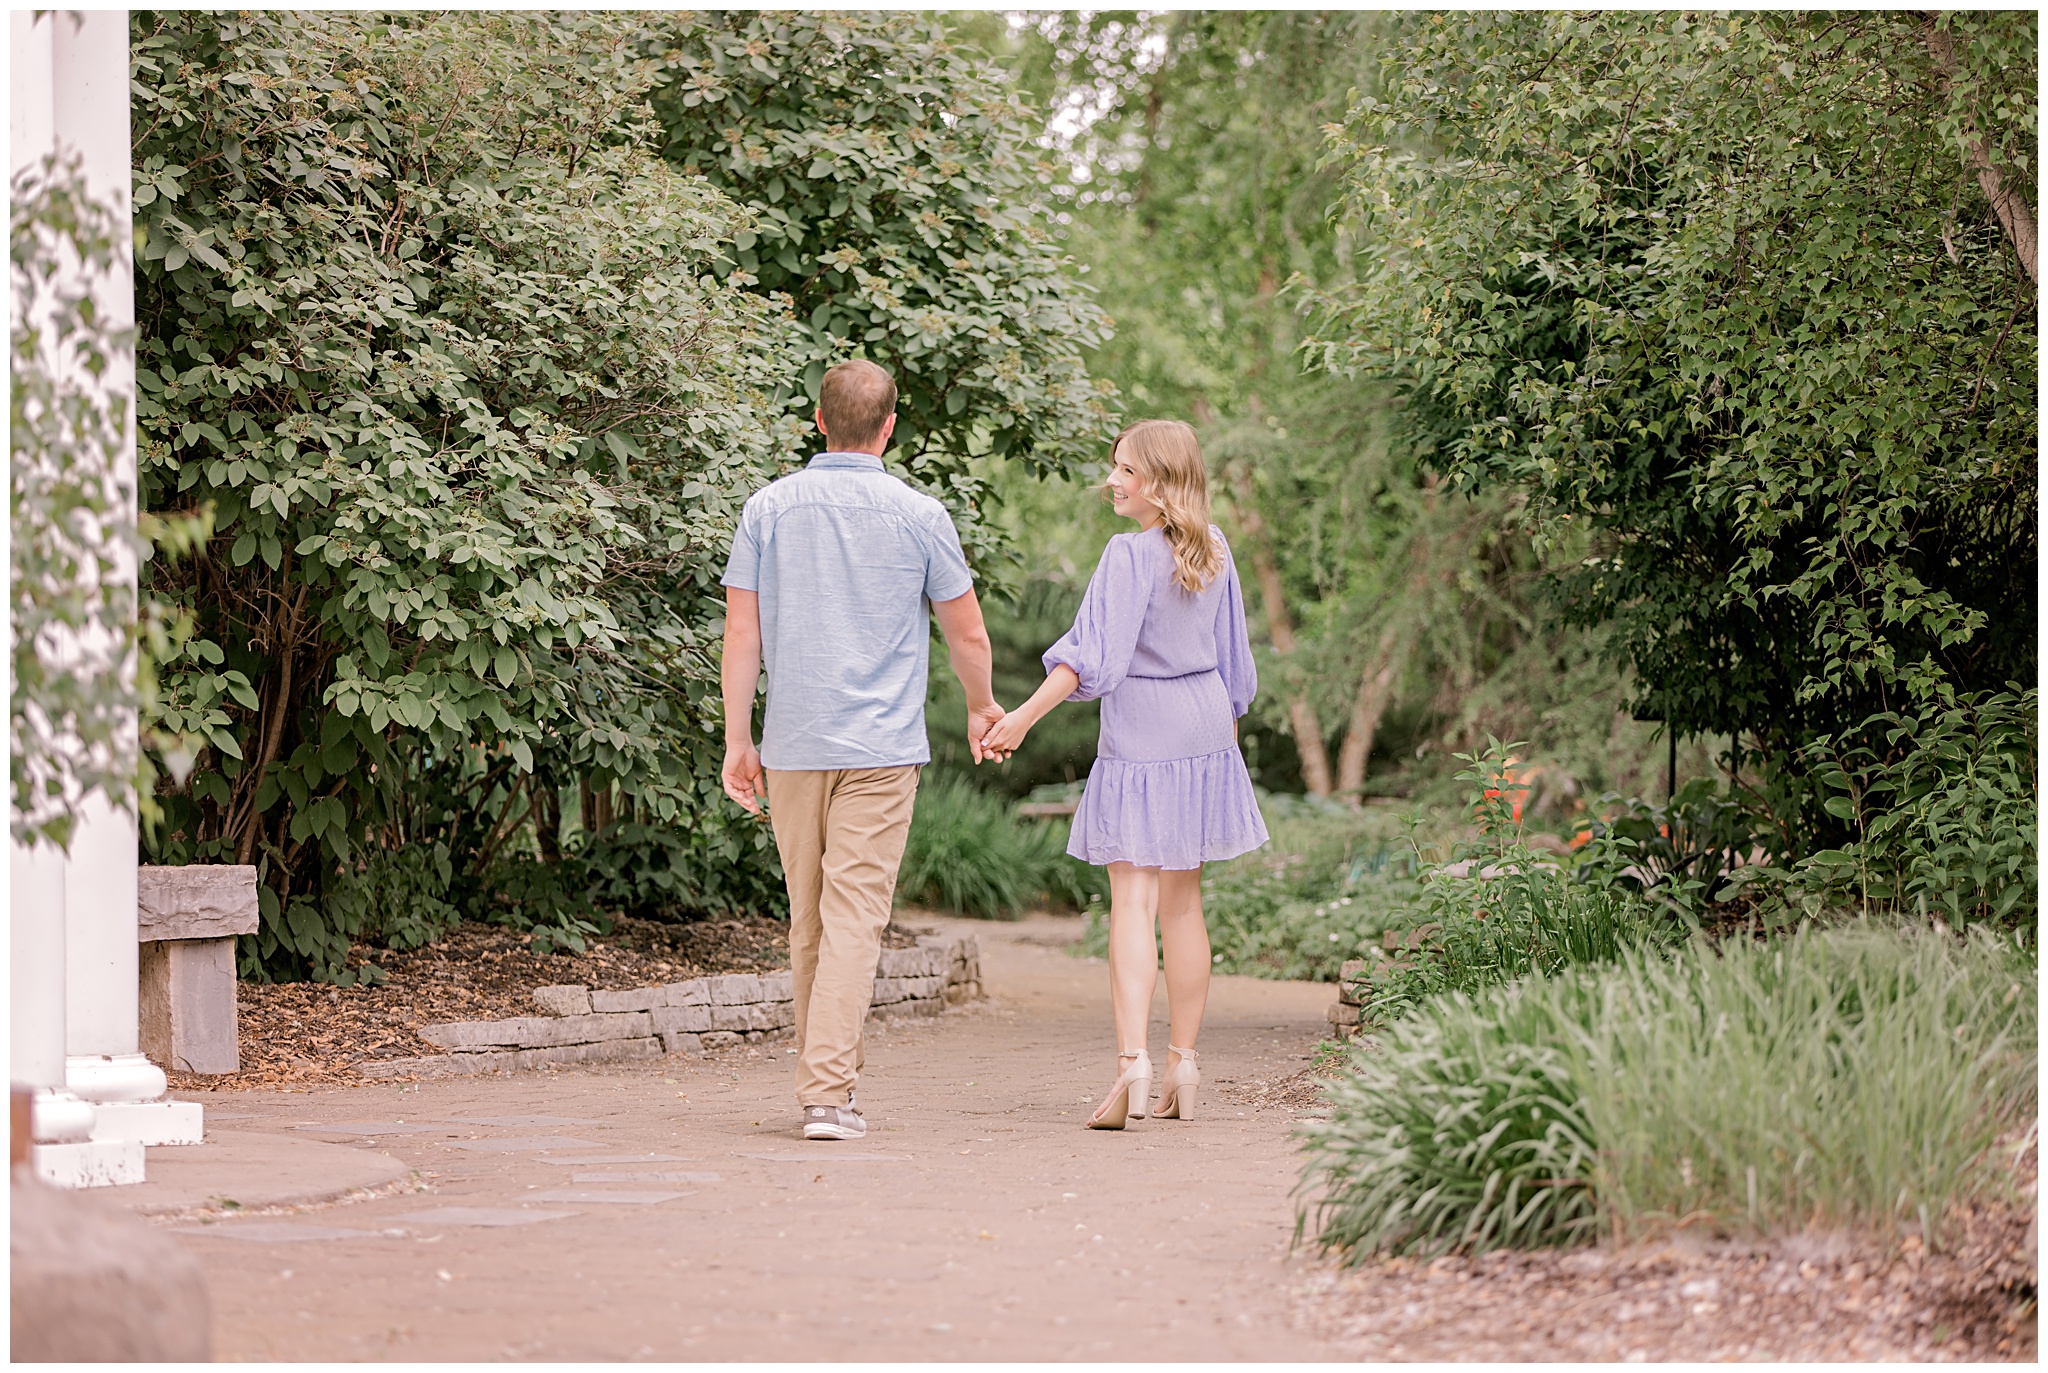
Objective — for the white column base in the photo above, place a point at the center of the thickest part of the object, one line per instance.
(103, 1078)
(150, 1122)
(57, 1117)
(93, 1163)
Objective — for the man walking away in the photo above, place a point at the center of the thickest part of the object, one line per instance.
(829, 576)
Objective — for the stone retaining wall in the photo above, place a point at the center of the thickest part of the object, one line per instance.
(578, 1025)
(1398, 949)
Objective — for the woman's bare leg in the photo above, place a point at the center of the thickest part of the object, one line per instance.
(1186, 937)
(1133, 951)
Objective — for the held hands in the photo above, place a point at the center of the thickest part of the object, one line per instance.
(742, 775)
(980, 719)
(1005, 736)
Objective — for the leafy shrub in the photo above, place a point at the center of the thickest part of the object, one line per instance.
(718, 863)
(1852, 1076)
(1500, 911)
(1688, 846)
(1610, 281)
(969, 853)
(438, 336)
(527, 893)
(1947, 821)
(897, 209)
(399, 898)
(1517, 919)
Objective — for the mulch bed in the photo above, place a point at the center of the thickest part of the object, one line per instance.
(297, 1034)
(1796, 1298)
(1302, 1091)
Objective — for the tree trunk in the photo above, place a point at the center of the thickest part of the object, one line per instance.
(2011, 208)
(596, 808)
(1308, 732)
(2012, 211)
(1375, 693)
(547, 822)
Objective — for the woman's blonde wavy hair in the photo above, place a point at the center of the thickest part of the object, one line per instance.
(1167, 456)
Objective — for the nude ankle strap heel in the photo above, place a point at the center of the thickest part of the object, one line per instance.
(1183, 1081)
(1127, 1100)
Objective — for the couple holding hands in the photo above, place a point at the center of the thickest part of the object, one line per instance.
(827, 583)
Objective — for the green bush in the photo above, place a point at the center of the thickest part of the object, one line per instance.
(1686, 847)
(438, 336)
(720, 863)
(1516, 919)
(1499, 911)
(397, 898)
(1852, 1077)
(452, 322)
(1947, 822)
(969, 853)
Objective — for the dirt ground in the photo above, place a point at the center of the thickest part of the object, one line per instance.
(669, 1210)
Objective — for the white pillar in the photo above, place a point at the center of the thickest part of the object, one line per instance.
(63, 1128)
(105, 1065)
(88, 93)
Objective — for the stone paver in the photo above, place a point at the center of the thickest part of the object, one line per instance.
(978, 1220)
(255, 1168)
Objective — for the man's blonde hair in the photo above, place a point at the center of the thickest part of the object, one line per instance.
(1167, 456)
(854, 401)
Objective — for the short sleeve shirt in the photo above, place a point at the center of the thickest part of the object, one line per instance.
(846, 560)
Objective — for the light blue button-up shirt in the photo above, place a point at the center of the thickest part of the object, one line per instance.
(846, 560)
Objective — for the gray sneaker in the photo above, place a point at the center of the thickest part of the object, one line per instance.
(833, 1122)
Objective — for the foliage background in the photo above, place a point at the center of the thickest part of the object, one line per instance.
(475, 379)
(1721, 303)
(1587, 380)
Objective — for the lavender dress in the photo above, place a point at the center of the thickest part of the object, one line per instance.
(1173, 668)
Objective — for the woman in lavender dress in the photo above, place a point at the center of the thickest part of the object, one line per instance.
(1161, 640)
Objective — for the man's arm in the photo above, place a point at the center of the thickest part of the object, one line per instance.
(739, 673)
(967, 641)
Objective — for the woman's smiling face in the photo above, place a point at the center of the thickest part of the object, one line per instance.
(1126, 486)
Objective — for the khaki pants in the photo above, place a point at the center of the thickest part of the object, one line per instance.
(841, 834)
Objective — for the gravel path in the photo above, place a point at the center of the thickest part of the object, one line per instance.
(669, 1210)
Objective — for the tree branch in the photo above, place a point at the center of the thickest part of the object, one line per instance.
(2007, 203)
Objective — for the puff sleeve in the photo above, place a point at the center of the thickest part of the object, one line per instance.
(1105, 634)
(1233, 645)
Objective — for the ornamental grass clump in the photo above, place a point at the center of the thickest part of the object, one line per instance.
(1463, 1128)
(1854, 1078)
(968, 853)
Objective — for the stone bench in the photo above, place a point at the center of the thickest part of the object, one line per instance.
(187, 919)
(578, 1025)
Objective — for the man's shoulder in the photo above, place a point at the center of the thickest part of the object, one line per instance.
(881, 492)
